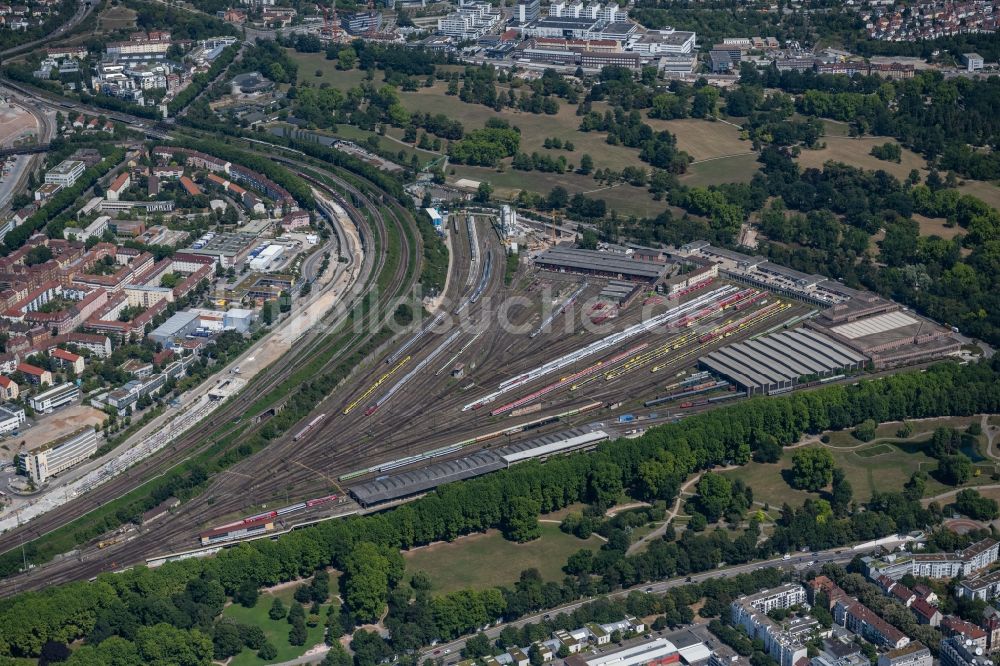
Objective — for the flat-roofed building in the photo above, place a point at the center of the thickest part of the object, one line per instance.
(607, 264)
(65, 173)
(656, 652)
(55, 397)
(914, 654)
(59, 455)
(11, 418)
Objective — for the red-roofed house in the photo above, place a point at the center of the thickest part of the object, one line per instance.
(9, 389)
(903, 595)
(926, 614)
(189, 186)
(926, 593)
(67, 359)
(34, 374)
(118, 186)
(953, 626)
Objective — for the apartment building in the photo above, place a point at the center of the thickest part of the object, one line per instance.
(914, 654)
(861, 620)
(783, 642)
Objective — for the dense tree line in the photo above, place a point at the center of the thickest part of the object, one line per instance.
(52, 216)
(651, 467)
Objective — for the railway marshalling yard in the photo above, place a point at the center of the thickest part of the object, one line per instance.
(452, 390)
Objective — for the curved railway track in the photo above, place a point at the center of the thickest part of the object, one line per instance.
(197, 440)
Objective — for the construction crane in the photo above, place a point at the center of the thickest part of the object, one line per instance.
(331, 28)
(372, 27)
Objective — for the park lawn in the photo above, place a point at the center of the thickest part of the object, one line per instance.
(276, 630)
(834, 127)
(486, 560)
(535, 128)
(625, 199)
(703, 139)
(922, 430)
(716, 171)
(856, 152)
(117, 17)
(936, 226)
(310, 62)
(886, 471)
(988, 192)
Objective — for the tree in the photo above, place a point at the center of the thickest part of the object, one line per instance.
(521, 521)
(298, 634)
(715, 492)
(586, 164)
(970, 503)
(477, 646)
(54, 652)
(955, 469)
(484, 192)
(337, 656)
(369, 648)
(768, 450)
(267, 651)
(226, 640)
(841, 494)
(247, 594)
(812, 468)
(866, 430)
(278, 610)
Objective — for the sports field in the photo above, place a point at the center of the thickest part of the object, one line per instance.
(485, 560)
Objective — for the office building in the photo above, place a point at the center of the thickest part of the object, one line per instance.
(55, 397)
(58, 456)
(65, 173)
(11, 418)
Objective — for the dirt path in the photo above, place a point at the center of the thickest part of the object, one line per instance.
(672, 513)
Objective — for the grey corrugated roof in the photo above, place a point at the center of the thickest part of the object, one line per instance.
(411, 482)
(592, 260)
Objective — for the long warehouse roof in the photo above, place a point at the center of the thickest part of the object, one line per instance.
(411, 482)
(780, 357)
(422, 479)
(549, 444)
(605, 262)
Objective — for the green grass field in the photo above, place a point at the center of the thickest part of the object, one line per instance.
(885, 470)
(735, 169)
(310, 62)
(485, 560)
(276, 630)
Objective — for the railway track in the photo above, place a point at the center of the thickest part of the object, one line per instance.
(313, 342)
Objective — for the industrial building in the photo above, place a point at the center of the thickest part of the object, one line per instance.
(177, 327)
(420, 480)
(55, 397)
(592, 262)
(59, 455)
(657, 652)
(268, 259)
(228, 249)
(776, 363)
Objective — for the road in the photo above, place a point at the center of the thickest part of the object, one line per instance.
(450, 652)
(82, 10)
